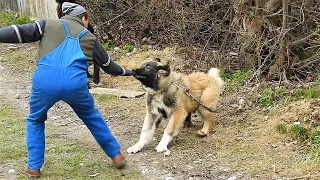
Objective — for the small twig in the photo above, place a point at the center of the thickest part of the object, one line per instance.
(120, 14)
(305, 38)
(311, 47)
(204, 48)
(274, 14)
(299, 81)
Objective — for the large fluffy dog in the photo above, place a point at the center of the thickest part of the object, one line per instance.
(174, 95)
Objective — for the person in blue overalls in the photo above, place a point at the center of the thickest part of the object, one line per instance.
(64, 49)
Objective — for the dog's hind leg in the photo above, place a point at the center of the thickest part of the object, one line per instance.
(209, 98)
(173, 128)
(148, 129)
(207, 122)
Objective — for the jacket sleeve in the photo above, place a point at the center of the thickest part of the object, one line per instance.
(25, 33)
(101, 58)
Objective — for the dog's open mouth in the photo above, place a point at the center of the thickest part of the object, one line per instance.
(147, 79)
(139, 76)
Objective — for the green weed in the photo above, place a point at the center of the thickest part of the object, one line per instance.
(307, 93)
(266, 97)
(9, 18)
(235, 80)
(299, 132)
(108, 46)
(314, 142)
(127, 48)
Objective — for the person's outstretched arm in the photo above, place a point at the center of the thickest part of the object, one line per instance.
(25, 33)
(101, 58)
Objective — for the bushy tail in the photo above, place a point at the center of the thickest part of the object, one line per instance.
(214, 73)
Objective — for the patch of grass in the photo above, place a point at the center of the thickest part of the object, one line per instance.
(12, 135)
(144, 48)
(311, 138)
(280, 95)
(21, 59)
(65, 159)
(281, 128)
(9, 18)
(307, 93)
(298, 132)
(127, 48)
(266, 97)
(104, 98)
(314, 142)
(270, 97)
(108, 46)
(236, 79)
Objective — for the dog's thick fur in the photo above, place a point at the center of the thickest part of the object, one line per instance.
(164, 99)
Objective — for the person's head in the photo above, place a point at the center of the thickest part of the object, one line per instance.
(76, 10)
(59, 6)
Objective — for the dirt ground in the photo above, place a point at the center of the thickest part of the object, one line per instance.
(243, 145)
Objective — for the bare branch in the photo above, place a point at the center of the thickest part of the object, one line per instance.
(305, 39)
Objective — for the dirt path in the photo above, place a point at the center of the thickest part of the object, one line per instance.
(125, 118)
(242, 146)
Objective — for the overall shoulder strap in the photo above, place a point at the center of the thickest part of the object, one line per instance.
(82, 33)
(65, 27)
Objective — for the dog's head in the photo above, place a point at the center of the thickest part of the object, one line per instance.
(150, 73)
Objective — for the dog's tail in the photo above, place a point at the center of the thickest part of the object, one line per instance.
(214, 73)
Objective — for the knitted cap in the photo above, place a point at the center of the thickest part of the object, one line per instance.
(72, 9)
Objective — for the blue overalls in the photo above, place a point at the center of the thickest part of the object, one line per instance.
(61, 75)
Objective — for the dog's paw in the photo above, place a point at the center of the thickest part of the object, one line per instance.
(202, 134)
(135, 148)
(161, 148)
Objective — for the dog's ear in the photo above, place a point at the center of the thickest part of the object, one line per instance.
(164, 71)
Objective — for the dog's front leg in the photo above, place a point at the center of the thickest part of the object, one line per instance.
(147, 133)
(173, 128)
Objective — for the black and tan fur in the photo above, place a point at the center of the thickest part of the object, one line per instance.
(166, 99)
